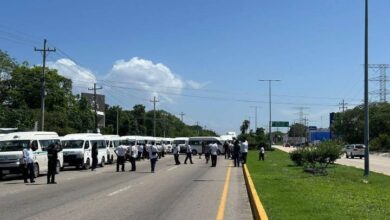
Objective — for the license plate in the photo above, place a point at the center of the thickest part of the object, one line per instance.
(5, 171)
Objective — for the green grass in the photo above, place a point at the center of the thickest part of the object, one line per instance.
(289, 193)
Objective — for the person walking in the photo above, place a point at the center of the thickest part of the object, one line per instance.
(153, 154)
(236, 153)
(244, 150)
(176, 153)
(203, 150)
(120, 152)
(133, 156)
(189, 154)
(94, 156)
(226, 149)
(28, 161)
(214, 154)
(261, 153)
(207, 152)
(52, 158)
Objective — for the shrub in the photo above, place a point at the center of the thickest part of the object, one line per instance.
(380, 143)
(316, 159)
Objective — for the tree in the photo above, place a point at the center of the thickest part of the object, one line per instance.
(244, 127)
(297, 130)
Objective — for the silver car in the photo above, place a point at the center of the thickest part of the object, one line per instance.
(354, 150)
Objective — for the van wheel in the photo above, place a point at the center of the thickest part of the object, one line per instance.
(87, 165)
(194, 152)
(103, 162)
(58, 167)
(346, 155)
(352, 156)
(36, 170)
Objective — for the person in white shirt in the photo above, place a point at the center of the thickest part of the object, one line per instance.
(133, 156)
(120, 151)
(244, 150)
(176, 153)
(214, 154)
(140, 149)
(189, 154)
(261, 153)
(153, 151)
(28, 159)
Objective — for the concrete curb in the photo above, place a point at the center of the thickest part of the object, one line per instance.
(258, 211)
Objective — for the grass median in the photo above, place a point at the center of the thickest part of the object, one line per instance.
(289, 193)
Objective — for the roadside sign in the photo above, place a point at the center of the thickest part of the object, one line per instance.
(280, 124)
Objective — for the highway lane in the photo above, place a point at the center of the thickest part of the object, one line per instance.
(191, 191)
(378, 163)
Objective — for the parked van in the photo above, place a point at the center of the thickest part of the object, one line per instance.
(182, 142)
(11, 151)
(354, 150)
(168, 144)
(78, 149)
(196, 144)
(112, 142)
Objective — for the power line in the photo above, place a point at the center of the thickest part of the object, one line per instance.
(95, 104)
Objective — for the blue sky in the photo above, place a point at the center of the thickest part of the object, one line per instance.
(212, 49)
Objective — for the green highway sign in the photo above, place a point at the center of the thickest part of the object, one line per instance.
(280, 124)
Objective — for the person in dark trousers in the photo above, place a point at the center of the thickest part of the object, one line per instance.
(94, 156)
(214, 154)
(153, 154)
(236, 153)
(52, 158)
(176, 152)
(207, 152)
(121, 154)
(189, 154)
(28, 164)
(203, 150)
(261, 153)
(226, 148)
(133, 157)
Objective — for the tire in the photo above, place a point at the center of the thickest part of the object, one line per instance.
(103, 162)
(361, 157)
(87, 165)
(1, 176)
(194, 152)
(352, 156)
(346, 155)
(36, 170)
(58, 167)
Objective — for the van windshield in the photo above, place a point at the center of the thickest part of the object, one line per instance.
(18, 145)
(72, 144)
(179, 142)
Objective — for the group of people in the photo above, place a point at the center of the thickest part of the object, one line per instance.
(210, 150)
(27, 162)
(238, 151)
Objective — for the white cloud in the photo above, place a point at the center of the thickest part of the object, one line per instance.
(195, 85)
(81, 77)
(150, 79)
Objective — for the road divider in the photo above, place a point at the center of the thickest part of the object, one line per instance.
(256, 206)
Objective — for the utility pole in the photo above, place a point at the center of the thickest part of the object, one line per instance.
(182, 114)
(154, 115)
(270, 114)
(43, 89)
(117, 121)
(95, 104)
(382, 79)
(197, 127)
(255, 107)
(343, 105)
(366, 110)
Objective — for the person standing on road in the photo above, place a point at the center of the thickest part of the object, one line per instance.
(121, 154)
(227, 150)
(261, 153)
(231, 146)
(203, 150)
(176, 153)
(28, 161)
(140, 149)
(207, 152)
(52, 158)
(244, 150)
(133, 156)
(94, 156)
(214, 154)
(189, 154)
(153, 154)
(236, 153)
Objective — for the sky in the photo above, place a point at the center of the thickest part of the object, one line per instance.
(205, 58)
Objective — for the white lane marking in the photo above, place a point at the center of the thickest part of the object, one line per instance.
(172, 168)
(120, 190)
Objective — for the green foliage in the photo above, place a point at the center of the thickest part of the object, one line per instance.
(380, 143)
(244, 127)
(317, 157)
(297, 130)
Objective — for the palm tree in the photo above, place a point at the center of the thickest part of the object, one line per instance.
(245, 126)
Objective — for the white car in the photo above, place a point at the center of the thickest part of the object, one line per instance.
(354, 150)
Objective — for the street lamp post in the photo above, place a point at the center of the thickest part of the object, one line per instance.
(270, 113)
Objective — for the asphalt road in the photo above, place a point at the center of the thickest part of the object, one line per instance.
(188, 191)
(378, 163)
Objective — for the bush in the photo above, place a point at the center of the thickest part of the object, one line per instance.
(316, 159)
(380, 143)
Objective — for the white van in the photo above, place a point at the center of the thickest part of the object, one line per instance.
(78, 149)
(182, 142)
(112, 142)
(168, 144)
(196, 144)
(11, 151)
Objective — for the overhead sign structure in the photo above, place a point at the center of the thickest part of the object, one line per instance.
(280, 124)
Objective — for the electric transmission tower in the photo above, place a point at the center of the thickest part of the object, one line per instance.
(382, 79)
